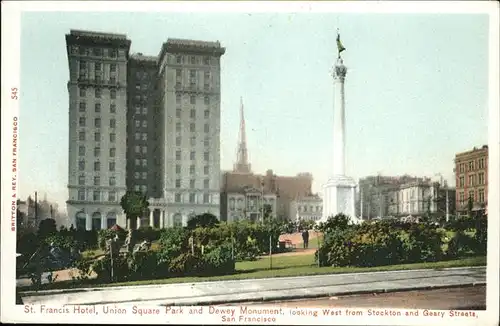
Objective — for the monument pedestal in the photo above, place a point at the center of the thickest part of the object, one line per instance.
(339, 196)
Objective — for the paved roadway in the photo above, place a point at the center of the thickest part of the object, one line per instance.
(468, 298)
(262, 289)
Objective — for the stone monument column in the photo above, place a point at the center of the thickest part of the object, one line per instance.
(340, 190)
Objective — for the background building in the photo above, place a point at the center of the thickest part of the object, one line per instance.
(373, 193)
(33, 210)
(249, 203)
(397, 196)
(284, 188)
(471, 172)
(142, 123)
(307, 208)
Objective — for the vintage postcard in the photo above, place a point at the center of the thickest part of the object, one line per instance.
(250, 162)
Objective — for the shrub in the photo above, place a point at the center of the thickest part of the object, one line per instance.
(481, 235)
(422, 243)
(106, 234)
(186, 264)
(335, 249)
(144, 265)
(84, 266)
(218, 261)
(460, 245)
(102, 267)
(148, 234)
(173, 242)
(379, 243)
(205, 220)
(339, 221)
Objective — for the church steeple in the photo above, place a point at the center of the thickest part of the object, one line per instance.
(242, 165)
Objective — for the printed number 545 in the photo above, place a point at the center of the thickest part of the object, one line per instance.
(13, 93)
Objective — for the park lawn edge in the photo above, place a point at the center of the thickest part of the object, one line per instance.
(311, 270)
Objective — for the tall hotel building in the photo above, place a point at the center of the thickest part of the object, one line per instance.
(142, 123)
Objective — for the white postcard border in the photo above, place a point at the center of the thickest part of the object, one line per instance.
(10, 109)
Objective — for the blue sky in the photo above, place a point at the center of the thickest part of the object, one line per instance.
(416, 91)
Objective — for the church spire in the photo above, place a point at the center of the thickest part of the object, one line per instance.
(242, 165)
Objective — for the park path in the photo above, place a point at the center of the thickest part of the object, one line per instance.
(215, 292)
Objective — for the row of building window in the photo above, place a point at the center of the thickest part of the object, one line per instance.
(192, 99)
(98, 92)
(141, 149)
(192, 198)
(192, 155)
(180, 59)
(97, 181)
(137, 175)
(97, 52)
(139, 136)
(480, 198)
(192, 169)
(139, 110)
(193, 77)
(192, 127)
(309, 208)
(82, 122)
(192, 183)
(97, 151)
(141, 123)
(141, 188)
(97, 166)
(472, 180)
(192, 141)
(472, 165)
(178, 113)
(97, 136)
(84, 67)
(97, 195)
(139, 161)
(82, 107)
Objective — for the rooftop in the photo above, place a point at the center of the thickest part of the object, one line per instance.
(141, 57)
(193, 43)
(474, 150)
(77, 32)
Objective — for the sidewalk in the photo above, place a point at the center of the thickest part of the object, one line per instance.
(204, 293)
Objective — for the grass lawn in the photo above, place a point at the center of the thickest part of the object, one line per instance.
(300, 265)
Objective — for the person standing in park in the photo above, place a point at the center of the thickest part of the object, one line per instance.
(305, 238)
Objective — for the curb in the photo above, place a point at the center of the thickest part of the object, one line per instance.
(323, 295)
(110, 288)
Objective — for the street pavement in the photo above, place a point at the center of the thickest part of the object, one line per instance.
(201, 293)
(462, 298)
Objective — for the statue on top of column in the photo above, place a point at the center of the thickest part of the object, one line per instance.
(340, 46)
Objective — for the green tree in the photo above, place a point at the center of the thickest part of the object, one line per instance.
(267, 210)
(134, 204)
(337, 222)
(47, 227)
(205, 220)
(470, 205)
